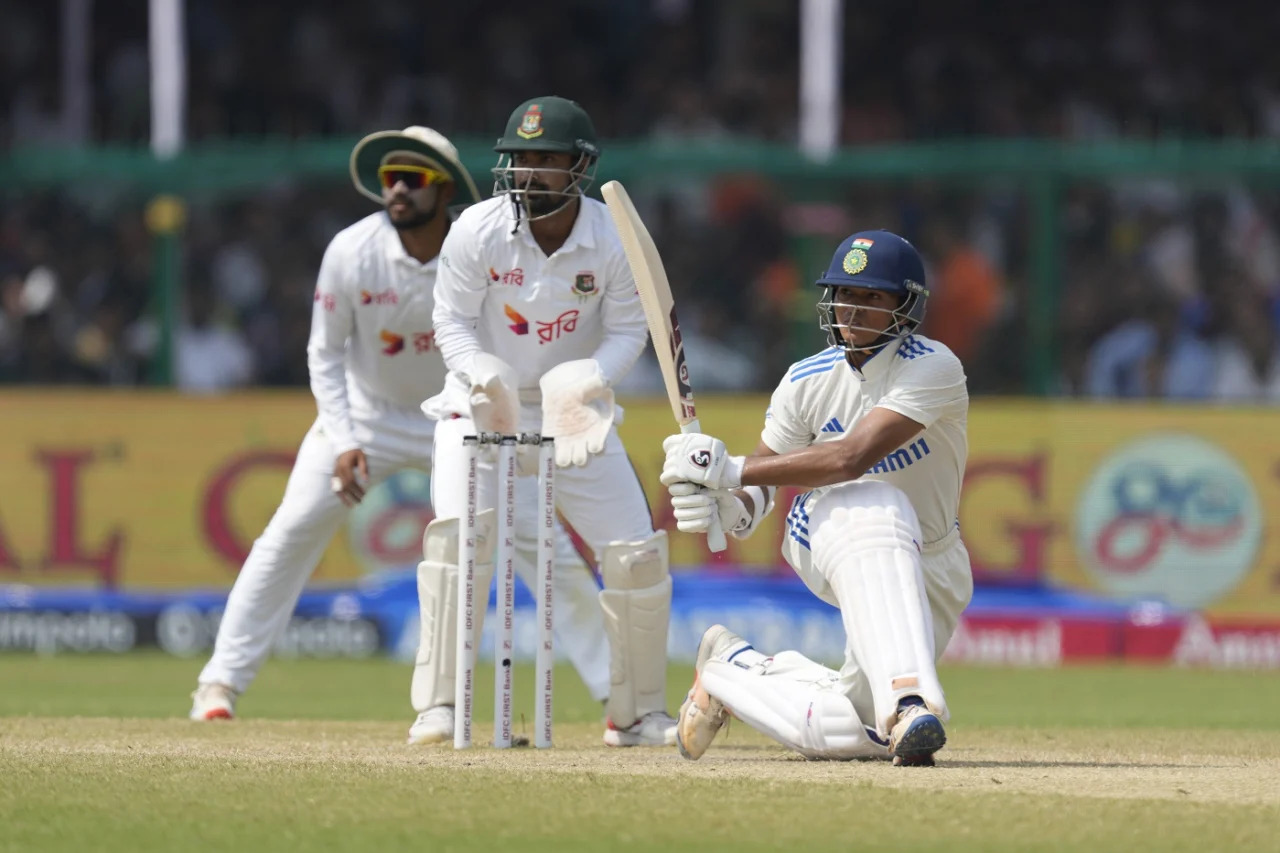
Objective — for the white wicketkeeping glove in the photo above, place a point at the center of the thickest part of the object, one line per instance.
(577, 410)
(695, 507)
(693, 457)
(495, 397)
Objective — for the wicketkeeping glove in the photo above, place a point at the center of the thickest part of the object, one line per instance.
(577, 410)
(495, 397)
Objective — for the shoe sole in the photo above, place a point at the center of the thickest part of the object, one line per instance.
(215, 714)
(615, 738)
(920, 742)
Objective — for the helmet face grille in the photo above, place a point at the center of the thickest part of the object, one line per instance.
(906, 319)
(507, 182)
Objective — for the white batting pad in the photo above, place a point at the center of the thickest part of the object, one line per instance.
(812, 717)
(434, 665)
(636, 600)
(865, 542)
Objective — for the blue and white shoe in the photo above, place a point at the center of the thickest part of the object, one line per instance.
(916, 736)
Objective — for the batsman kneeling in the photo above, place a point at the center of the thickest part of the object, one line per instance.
(875, 427)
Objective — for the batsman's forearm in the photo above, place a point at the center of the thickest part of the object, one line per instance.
(818, 465)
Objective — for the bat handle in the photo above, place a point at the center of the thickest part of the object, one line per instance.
(715, 535)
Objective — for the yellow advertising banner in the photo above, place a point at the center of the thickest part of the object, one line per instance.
(156, 490)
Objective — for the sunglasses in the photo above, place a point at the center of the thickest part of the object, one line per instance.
(413, 177)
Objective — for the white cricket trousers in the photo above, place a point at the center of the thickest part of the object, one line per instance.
(285, 555)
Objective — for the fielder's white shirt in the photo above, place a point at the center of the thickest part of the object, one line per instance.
(498, 292)
(372, 351)
(822, 397)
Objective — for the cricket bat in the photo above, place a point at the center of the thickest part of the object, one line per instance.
(660, 314)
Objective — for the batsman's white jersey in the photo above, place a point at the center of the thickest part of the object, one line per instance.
(822, 398)
(373, 360)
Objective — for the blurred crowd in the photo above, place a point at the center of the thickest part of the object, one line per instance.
(1163, 289)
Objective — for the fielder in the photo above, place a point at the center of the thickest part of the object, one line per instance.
(373, 359)
(874, 425)
(537, 316)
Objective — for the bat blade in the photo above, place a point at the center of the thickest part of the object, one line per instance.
(660, 315)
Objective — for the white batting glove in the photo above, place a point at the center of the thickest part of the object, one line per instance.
(695, 508)
(693, 457)
(495, 397)
(577, 410)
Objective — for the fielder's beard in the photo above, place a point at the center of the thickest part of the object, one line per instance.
(416, 219)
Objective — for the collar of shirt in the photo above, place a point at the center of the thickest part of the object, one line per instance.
(878, 364)
(396, 252)
(583, 233)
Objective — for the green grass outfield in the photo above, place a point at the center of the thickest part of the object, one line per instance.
(95, 754)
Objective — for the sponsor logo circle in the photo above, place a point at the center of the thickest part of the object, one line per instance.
(1170, 517)
(385, 529)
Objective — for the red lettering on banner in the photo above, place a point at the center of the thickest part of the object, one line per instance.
(66, 552)
(8, 562)
(1030, 541)
(214, 513)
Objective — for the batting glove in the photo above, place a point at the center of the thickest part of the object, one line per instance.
(696, 458)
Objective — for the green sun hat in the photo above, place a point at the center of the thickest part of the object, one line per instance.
(423, 143)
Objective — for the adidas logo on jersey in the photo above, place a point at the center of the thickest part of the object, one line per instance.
(833, 425)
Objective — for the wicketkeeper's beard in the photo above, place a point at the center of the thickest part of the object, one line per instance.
(416, 217)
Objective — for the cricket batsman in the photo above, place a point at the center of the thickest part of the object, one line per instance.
(875, 427)
(537, 316)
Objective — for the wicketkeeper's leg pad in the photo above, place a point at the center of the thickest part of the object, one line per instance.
(434, 665)
(636, 600)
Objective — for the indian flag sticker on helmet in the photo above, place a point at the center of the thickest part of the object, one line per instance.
(531, 125)
(856, 261)
(862, 243)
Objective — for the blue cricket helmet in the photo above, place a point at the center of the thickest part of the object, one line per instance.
(877, 260)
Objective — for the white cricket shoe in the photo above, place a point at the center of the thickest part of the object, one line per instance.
(916, 736)
(213, 702)
(702, 716)
(657, 728)
(434, 725)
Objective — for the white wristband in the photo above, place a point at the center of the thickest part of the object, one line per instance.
(731, 476)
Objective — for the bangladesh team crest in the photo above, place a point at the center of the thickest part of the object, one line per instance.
(531, 125)
(584, 283)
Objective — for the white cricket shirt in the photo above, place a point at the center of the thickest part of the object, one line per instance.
(822, 397)
(498, 292)
(372, 351)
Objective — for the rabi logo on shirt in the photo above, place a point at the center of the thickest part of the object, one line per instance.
(519, 324)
